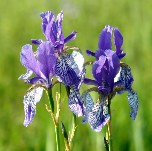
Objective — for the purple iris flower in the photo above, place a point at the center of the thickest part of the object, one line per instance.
(51, 59)
(52, 30)
(42, 65)
(107, 63)
(111, 77)
(69, 67)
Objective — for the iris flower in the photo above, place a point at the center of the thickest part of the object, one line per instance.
(42, 66)
(52, 30)
(111, 77)
(51, 59)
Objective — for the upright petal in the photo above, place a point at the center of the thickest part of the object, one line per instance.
(75, 102)
(105, 38)
(60, 36)
(48, 19)
(28, 60)
(46, 59)
(133, 102)
(31, 98)
(118, 41)
(97, 67)
(114, 63)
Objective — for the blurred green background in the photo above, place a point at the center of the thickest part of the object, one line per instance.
(20, 21)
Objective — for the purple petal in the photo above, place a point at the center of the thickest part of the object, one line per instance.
(118, 40)
(105, 38)
(49, 26)
(97, 69)
(60, 36)
(31, 98)
(99, 53)
(46, 59)
(114, 62)
(88, 52)
(90, 82)
(133, 102)
(35, 80)
(105, 69)
(47, 17)
(75, 102)
(36, 42)
(120, 56)
(51, 32)
(70, 37)
(28, 60)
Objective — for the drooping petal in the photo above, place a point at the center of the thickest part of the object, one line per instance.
(26, 75)
(124, 84)
(70, 37)
(31, 98)
(133, 102)
(46, 59)
(75, 102)
(99, 116)
(126, 79)
(105, 38)
(87, 104)
(69, 69)
(28, 60)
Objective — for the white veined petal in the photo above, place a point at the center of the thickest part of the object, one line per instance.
(31, 98)
(79, 59)
(26, 75)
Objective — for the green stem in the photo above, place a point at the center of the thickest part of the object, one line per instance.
(57, 137)
(55, 119)
(49, 92)
(108, 133)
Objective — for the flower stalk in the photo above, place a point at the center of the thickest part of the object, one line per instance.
(108, 141)
(54, 116)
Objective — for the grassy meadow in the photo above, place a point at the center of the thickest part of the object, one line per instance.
(20, 22)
